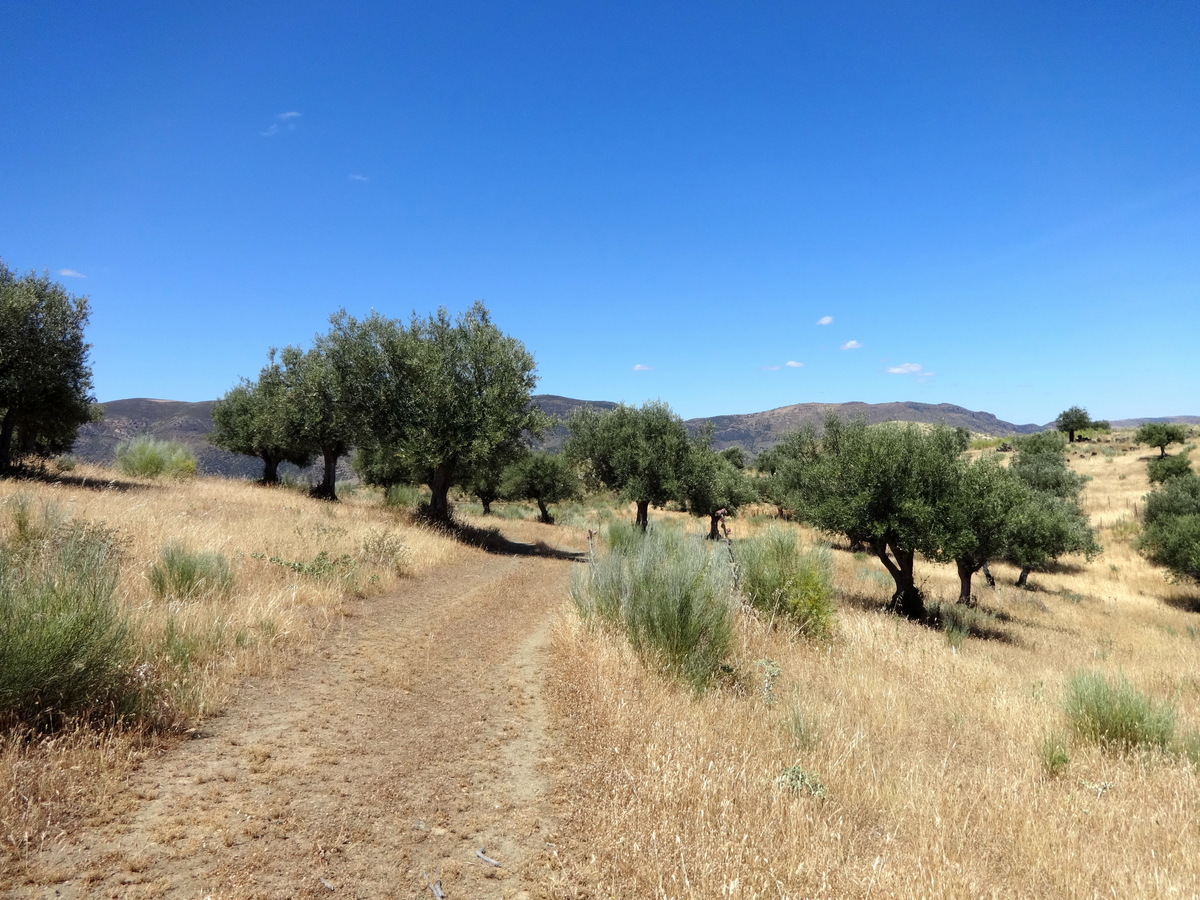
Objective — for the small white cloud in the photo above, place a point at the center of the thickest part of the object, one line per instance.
(851, 345)
(905, 369)
(792, 364)
(640, 368)
(363, 178)
(71, 273)
(825, 320)
(286, 118)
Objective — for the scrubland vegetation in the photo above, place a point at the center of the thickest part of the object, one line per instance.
(748, 725)
(1040, 743)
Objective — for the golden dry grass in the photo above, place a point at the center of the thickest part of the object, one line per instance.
(274, 612)
(928, 753)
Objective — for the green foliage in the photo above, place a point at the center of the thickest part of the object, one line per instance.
(45, 380)
(1052, 751)
(1076, 419)
(1115, 715)
(672, 597)
(181, 574)
(1165, 468)
(885, 486)
(799, 781)
(777, 577)
(981, 513)
(322, 567)
(1171, 526)
(1051, 522)
(1160, 435)
(67, 651)
(147, 457)
(641, 453)
(403, 496)
(712, 482)
(543, 477)
(258, 418)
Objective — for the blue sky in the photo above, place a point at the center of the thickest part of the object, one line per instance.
(729, 207)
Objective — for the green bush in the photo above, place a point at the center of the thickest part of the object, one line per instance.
(1162, 468)
(1115, 715)
(672, 596)
(181, 574)
(1171, 526)
(67, 651)
(777, 577)
(148, 457)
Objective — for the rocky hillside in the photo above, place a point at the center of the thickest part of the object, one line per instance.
(190, 423)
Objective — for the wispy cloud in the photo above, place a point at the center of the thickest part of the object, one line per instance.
(362, 178)
(792, 364)
(71, 273)
(851, 345)
(285, 120)
(825, 320)
(910, 369)
(772, 368)
(640, 368)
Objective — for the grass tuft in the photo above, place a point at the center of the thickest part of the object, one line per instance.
(1115, 715)
(148, 457)
(181, 574)
(779, 578)
(672, 596)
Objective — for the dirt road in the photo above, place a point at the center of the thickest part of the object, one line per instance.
(416, 737)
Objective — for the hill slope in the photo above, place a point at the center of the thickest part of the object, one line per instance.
(190, 424)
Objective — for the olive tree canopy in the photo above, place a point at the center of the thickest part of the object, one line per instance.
(45, 379)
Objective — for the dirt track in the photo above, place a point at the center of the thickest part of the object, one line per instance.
(416, 737)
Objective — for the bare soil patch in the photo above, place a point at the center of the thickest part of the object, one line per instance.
(415, 737)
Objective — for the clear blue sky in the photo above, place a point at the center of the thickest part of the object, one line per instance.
(990, 204)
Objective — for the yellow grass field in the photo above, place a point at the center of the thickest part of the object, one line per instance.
(892, 760)
(922, 760)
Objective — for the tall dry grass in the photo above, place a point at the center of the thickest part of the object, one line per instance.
(295, 563)
(916, 764)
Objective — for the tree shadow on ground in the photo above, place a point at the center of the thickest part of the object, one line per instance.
(492, 541)
(977, 621)
(78, 481)
(1189, 604)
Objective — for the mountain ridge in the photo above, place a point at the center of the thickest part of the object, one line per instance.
(190, 423)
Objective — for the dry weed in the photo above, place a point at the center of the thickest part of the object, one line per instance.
(912, 764)
(295, 561)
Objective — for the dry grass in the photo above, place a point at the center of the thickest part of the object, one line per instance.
(927, 750)
(285, 595)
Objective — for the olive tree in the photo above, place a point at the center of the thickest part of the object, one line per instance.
(1171, 527)
(1160, 435)
(982, 511)
(886, 487)
(257, 418)
(640, 452)
(543, 478)
(1076, 419)
(473, 404)
(1052, 522)
(45, 379)
(714, 484)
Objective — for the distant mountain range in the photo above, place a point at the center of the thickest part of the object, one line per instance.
(190, 423)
